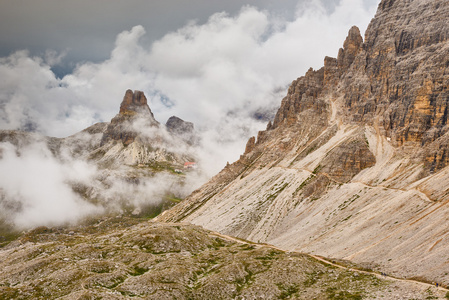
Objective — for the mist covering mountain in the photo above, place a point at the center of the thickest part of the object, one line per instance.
(131, 165)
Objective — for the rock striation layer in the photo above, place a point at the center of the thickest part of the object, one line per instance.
(355, 162)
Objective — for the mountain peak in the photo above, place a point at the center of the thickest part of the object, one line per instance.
(134, 106)
(134, 102)
(351, 47)
(178, 125)
(356, 161)
(354, 38)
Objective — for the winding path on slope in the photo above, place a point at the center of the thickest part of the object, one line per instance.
(380, 186)
(322, 259)
(326, 261)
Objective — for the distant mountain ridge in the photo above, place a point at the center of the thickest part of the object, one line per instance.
(355, 162)
(129, 152)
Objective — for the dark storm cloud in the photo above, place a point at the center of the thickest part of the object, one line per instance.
(87, 29)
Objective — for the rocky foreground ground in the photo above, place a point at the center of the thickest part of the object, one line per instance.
(121, 258)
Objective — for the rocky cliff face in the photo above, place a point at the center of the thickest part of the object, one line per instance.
(182, 129)
(135, 102)
(179, 126)
(133, 107)
(354, 164)
(134, 137)
(405, 60)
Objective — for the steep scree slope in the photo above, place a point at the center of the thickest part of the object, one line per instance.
(354, 164)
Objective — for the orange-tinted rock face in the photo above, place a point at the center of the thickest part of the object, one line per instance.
(404, 67)
(302, 95)
(351, 48)
(133, 102)
(397, 80)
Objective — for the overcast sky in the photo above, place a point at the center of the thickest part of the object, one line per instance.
(86, 29)
(65, 65)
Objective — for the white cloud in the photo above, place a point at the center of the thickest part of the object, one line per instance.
(36, 190)
(53, 58)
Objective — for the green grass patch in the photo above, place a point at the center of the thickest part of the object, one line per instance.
(277, 192)
(245, 281)
(347, 218)
(137, 271)
(287, 290)
(348, 202)
(312, 278)
(303, 184)
(247, 247)
(270, 256)
(317, 169)
(336, 294)
(218, 243)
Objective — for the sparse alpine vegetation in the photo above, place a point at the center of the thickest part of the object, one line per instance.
(121, 258)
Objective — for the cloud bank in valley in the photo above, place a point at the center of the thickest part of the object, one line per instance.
(227, 76)
(35, 187)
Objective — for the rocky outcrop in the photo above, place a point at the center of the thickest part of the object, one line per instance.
(122, 127)
(182, 129)
(355, 162)
(351, 47)
(179, 126)
(134, 102)
(347, 159)
(250, 145)
(303, 94)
